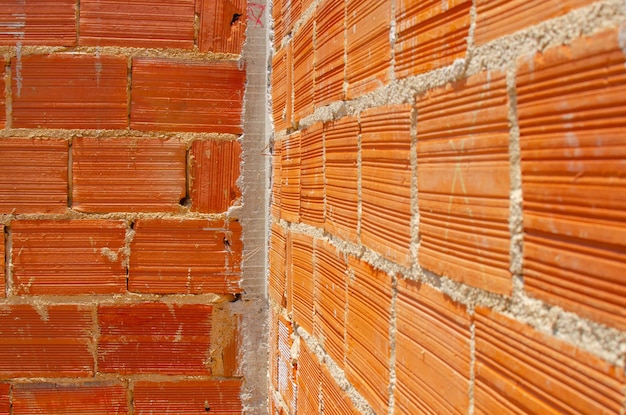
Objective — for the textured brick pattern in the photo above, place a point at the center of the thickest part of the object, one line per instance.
(303, 73)
(34, 22)
(222, 25)
(312, 176)
(290, 178)
(277, 276)
(329, 52)
(309, 381)
(335, 400)
(282, 78)
(302, 279)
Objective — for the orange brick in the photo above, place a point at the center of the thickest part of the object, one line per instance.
(519, 370)
(282, 88)
(312, 176)
(277, 261)
(291, 11)
(368, 48)
(176, 95)
(159, 24)
(368, 323)
(215, 167)
(329, 52)
(171, 339)
(287, 386)
(273, 351)
(79, 398)
(2, 273)
(570, 105)
(335, 401)
(290, 177)
(64, 257)
(35, 181)
(386, 181)
(222, 25)
(309, 382)
(432, 352)
(302, 283)
(277, 19)
(276, 192)
(38, 22)
(128, 175)
(498, 18)
(189, 397)
(431, 34)
(5, 399)
(175, 256)
(69, 91)
(303, 71)
(340, 175)
(3, 117)
(48, 341)
(463, 182)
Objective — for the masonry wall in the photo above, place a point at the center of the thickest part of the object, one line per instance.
(448, 232)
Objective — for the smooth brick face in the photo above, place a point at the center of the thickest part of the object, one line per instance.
(173, 256)
(68, 257)
(38, 22)
(570, 106)
(159, 338)
(329, 52)
(50, 341)
(157, 24)
(291, 178)
(531, 372)
(173, 95)
(463, 182)
(282, 88)
(386, 181)
(277, 253)
(128, 175)
(302, 282)
(309, 381)
(312, 176)
(303, 73)
(432, 352)
(69, 91)
(35, 179)
(221, 30)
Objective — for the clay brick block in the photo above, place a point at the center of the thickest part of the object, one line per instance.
(312, 176)
(277, 262)
(3, 114)
(303, 71)
(222, 25)
(79, 398)
(463, 182)
(175, 256)
(277, 170)
(282, 88)
(570, 105)
(38, 22)
(287, 386)
(498, 18)
(302, 282)
(5, 399)
(135, 23)
(48, 341)
(368, 48)
(291, 11)
(521, 370)
(329, 52)
(35, 180)
(2, 270)
(168, 339)
(176, 95)
(215, 167)
(290, 178)
(277, 19)
(368, 323)
(273, 351)
(188, 397)
(69, 91)
(66, 257)
(341, 178)
(309, 380)
(432, 352)
(128, 175)
(335, 400)
(431, 34)
(386, 181)
(225, 343)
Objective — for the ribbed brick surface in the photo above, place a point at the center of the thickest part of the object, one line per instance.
(290, 178)
(302, 282)
(222, 25)
(309, 381)
(303, 73)
(277, 277)
(2, 97)
(329, 52)
(277, 172)
(287, 386)
(335, 400)
(312, 176)
(34, 22)
(282, 88)
(2, 268)
(5, 401)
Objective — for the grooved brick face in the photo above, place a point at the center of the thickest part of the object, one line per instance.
(35, 180)
(309, 380)
(5, 401)
(170, 339)
(463, 182)
(2, 98)
(282, 73)
(329, 51)
(69, 91)
(2, 268)
(335, 400)
(286, 371)
(290, 178)
(38, 22)
(312, 176)
(276, 191)
(222, 25)
(128, 175)
(571, 102)
(157, 24)
(277, 254)
(303, 71)
(68, 257)
(176, 95)
(302, 282)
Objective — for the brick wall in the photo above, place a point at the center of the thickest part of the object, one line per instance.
(448, 231)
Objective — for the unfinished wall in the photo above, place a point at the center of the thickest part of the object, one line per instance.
(448, 231)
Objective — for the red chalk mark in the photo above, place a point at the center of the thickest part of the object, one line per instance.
(255, 13)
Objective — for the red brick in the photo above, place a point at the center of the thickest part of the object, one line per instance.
(189, 397)
(290, 177)
(335, 401)
(309, 382)
(38, 22)
(5, 399)
(170, 339)
(221, 30)
(303, 71)
(69, 91)
(191, 256)
(3, 117)
(302, 283)
(432, 352)
(225, 344)
(431, 34)
(276, 192)
(368, 323)
(35, 181)
(368, 64)
(291, 11)
(329, 52)
(287, 386)
(386, 181)
(48, 341)
(78, 398)
(463, 182)
(277, 261)
(128, 175)
(273, 351)
(312, 176)
(215, 167)
(158, 24)
(277, 19)
(177, 95)
(282, 88)
(65, 257)
(2, 269)
(520, 370)
(571, 102)
(340, 175)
